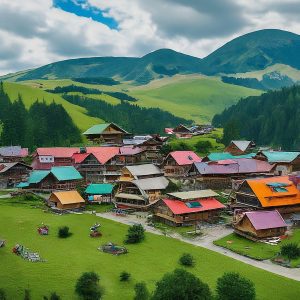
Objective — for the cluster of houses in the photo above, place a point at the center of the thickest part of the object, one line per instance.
(131, 172)
(185, 132)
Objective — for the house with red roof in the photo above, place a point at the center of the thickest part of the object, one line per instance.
(256, 225)
(178, 163)
(188, 208)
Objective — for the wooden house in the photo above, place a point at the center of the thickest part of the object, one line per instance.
(178, 163)
(129, 173)
(284, 162)
(11, 174)
(108, 133)
(66, 200)
(141, 193)
(188, 208)
(58, 178)
(277, 192)
(99, 193)
(216, 156)
(13, 154)
(240, 147)
(182, 131)
(129, 155)
(257, 225)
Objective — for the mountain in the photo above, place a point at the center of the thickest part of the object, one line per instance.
(255, 51)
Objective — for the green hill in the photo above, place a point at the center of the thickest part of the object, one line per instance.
(30, 95)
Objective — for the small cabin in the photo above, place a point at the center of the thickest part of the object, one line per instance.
(99, 193)
(11, 154)
(256, 225)
(240, 147)
(65, 200)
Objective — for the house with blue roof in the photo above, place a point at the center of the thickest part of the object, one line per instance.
(99, 192)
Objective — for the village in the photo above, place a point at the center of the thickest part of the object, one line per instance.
(251, 194)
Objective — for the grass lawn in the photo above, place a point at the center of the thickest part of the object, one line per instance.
(68, 258)
(100, 208)
(257, 250)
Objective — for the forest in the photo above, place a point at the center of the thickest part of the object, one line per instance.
(270, 119)
(97, 80)
(41, 125)
(129, 116)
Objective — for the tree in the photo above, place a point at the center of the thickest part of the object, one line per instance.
(203, 146)
(136, 234)
(141, 291)
(64, 232)
(2, 294)
(232, 286)
(290, 250)
(87, 286)
(187, 260)
(231, 132)
(181, 284)
(124, 276)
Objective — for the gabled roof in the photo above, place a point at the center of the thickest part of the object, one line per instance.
(65, 173)
(99, 188)
(68, 197)
(155, 183)
(59, 152)
(184, 157)
(265, 219)
(193, 194)
(280, 156)
(100, 128)
(242, 145)
(142, 170)
(105, 154)
(37, 176)
(180, 207)
(6, 166)
(226, 155)
(15, 151)
(80, 157)
(269, 197)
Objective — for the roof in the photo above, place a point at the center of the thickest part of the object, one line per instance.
(193, 194)
(99, 188)
(268, 196)
(280, 156)
(180, 207)
(65, 173)
(242, 145)
(146, 169)
(184, 157)
(227, 155)
(155, 183)
(68, 197)
(103, 154)
(100, 128)
(6, 166)
(22, 185)
(234, 166)
(129, 196)
(37, 176)
(265, 219)
(17, 151)
(58, 151)
(130, 150)
(80, 157)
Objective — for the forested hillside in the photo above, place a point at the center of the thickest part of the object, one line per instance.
(41, 125)
(270, 119)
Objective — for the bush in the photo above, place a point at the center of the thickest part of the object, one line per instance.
(232, 286)
(124, 276)
(64, 232)
(203, 146)
(87, 286)
(27, 295)
(187, 260)
(141, 291)
(136, 234)
(291, 251)
(2, 294)
(53, 296)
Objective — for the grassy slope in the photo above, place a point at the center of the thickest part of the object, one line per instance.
(67, 259)
(197, 98)
(30, 95)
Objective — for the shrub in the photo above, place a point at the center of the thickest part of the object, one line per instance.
(64, 232)
(53, 296)
(187, 260)
(27, 295)
(291, 251)
(87, 286)
(136, 234)
(125, 276)
(141, 291)
(232, 286)
(203, 146)
(2, 294)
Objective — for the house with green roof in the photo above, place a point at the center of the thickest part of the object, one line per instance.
(99, 192)
(107, 133)
(225, 155)
(286, 162)
(58, 178)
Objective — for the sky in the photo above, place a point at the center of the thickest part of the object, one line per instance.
(37, 32)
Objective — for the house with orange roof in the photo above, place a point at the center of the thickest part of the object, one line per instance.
(66, 200)
(278, 192)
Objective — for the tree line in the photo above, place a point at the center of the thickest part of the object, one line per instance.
(130, 117)
(40, 125)
(270, 119)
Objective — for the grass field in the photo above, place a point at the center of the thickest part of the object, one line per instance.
(30, 95)
(68, 258)
(257, 250)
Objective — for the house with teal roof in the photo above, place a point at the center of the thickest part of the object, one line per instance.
(58, 178)
(225, 155)
(107, 133)
(99, 192)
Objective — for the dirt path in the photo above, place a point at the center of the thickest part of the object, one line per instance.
(206, 241)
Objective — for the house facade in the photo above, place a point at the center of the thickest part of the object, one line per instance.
(11, 154)
(66, 200)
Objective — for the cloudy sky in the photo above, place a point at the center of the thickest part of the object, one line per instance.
(37, 32)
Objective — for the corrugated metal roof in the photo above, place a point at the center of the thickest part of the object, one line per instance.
(17, 151)
(66, 173)
(194, 194)
(155, 183)
(129, 196)
(99, 188)
(226, 155)
(37, 176)
(58, 151)
(242, 145)
(100, 128)
(280, 156)
(185, 157)
(266, 219)
(179, 207)
(67, 197)
(6, 166)
(145, 169)
(130, 150)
